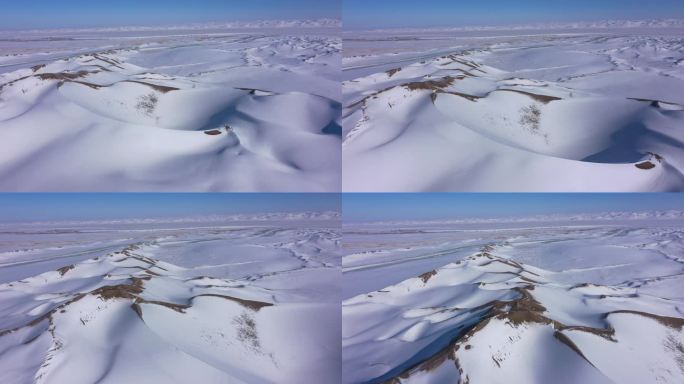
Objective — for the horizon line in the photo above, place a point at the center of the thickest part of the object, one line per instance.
(678, 22)
(522, 217)
(326, 22)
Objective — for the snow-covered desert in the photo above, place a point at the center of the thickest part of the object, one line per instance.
(214, 107)
(587, 299)
(542, 107)
(240, 299)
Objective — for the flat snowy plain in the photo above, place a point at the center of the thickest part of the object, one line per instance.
(171, 302)
(582, 300)
(540, 109)
(170, 110)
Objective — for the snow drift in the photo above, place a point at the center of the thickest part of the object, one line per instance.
(187, 112)
(547, 112)
(171, 305)
(488, 318)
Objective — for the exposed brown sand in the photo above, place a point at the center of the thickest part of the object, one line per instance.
(251, 304)
(541, 98)
(645, 165)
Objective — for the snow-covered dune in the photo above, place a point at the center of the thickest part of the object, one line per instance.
(542, 112)
(162, 111)
(562, 304)
(239, 304)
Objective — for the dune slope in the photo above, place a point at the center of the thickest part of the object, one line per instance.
(215, 112)
(517, 113)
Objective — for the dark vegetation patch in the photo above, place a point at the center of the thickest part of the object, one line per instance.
(73, 77)
(438, 86)
(213, 132)
(657, 156)
(432, 85)
(392, 71)
(530, 118)
(64, 76)
(98, 66)
(461, 60)
(62, 271)
(487, 248)
(120, 291)
(147, 103)
(427, 276)
(463, 95)
(246, 331)
(582, 285)
(38, 67)
(525, 309)
(110, 61)
(675, 346)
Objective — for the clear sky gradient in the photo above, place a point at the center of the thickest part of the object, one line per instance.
(444, 13)
(40, 14)
(403, 206)
(27, 207)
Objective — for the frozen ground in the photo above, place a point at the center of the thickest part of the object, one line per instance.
(172, 110)
(171, 302)
(523, 110)
(561, 300)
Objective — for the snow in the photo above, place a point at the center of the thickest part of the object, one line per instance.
(175, 301)
(171, 111)
(521, 302)
(511, 111)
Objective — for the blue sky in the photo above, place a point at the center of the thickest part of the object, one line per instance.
(403, 206)
(29, 14)
(439, 13)
(21, 207)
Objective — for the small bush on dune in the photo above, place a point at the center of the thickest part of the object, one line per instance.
(530, 118)
(147, 103)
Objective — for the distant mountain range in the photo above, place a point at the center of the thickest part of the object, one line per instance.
(246, 217)
(603, 216)
(603, 24)
(334, 215)
(315, 23)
